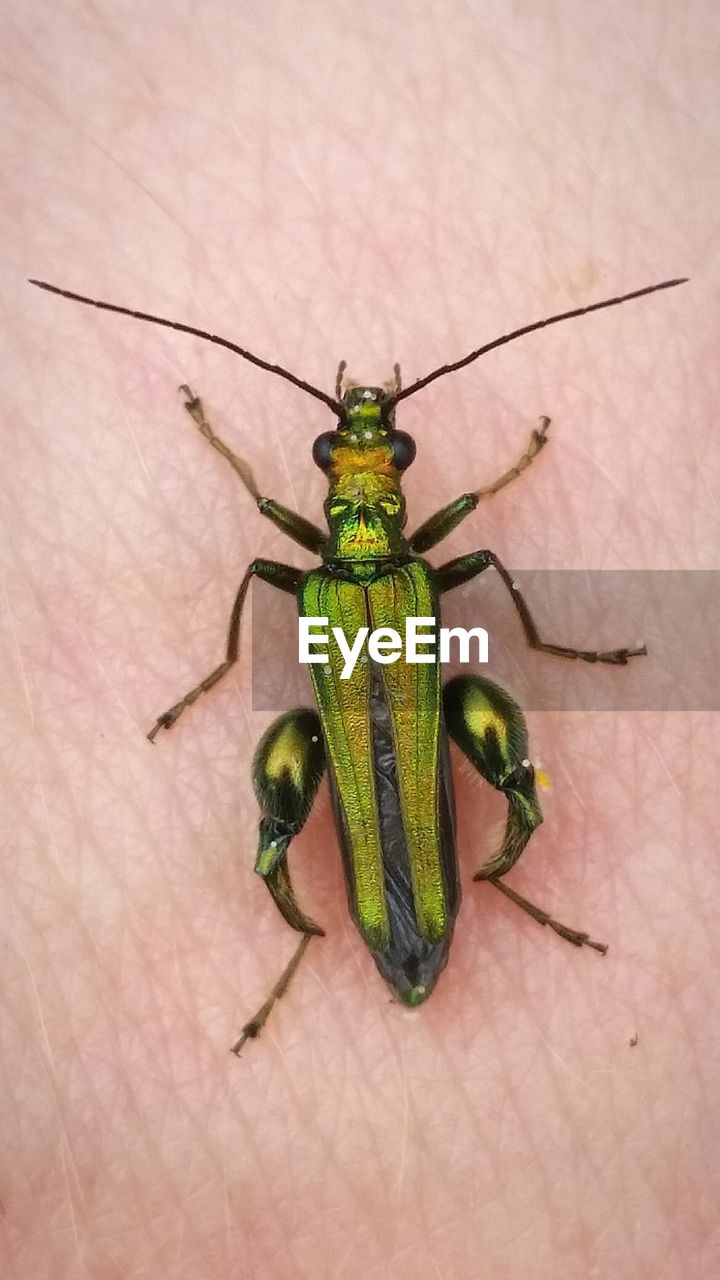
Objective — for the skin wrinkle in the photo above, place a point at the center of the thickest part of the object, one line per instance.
(106, 154)
(495, 1154)
(17, 652)
(595, 1172)
(64, 1146)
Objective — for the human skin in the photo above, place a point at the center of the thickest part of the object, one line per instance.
(375, 186)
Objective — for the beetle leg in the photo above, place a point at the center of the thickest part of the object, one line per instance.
(538, 440)
(287, 767)
(456, 572)
(257, 1022)
(448, 518)
(292, 524)
(576, 936)
(283, 576)
(489, 727)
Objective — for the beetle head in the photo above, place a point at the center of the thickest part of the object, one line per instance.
(366, 425)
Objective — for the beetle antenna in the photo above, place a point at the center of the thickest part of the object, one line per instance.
(529, 328)
(198, 333)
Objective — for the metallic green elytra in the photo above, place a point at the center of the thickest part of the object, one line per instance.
(382, 734)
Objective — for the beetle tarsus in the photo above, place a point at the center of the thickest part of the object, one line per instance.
(163, 722)
(577, 937)
(249, 1032)
(193, 400)
(614, 657)
(168, 718)
(194, 406)
(257, 1022)
(538, 440)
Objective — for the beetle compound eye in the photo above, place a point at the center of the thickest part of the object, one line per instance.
(403, 447)
(322, 450)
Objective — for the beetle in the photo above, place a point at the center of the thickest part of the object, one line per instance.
(382, 735)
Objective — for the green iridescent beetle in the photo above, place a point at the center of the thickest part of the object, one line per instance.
(382, 735)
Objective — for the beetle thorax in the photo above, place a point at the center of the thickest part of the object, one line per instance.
(365, 507)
